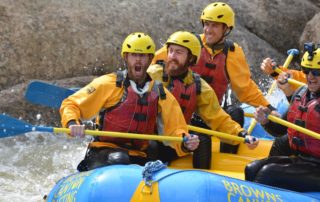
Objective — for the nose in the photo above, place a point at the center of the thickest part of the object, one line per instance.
(138, 57)
(172, 55)
(310, 75)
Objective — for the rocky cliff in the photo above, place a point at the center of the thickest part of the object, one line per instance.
(63, 39)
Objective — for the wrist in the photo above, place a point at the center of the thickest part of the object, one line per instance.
(271, 108)
(71, 122)
(243, 133)
(184, 147)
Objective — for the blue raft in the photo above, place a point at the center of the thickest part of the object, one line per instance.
(125, 183)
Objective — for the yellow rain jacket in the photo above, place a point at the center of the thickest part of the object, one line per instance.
(102, 93)
(239, 73)
(208, 106)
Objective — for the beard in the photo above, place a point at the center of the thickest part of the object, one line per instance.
(174, 68)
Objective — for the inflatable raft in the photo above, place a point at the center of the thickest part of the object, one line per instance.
(126, 183)
(224, 182)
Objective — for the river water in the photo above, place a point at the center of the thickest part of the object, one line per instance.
(31, 164)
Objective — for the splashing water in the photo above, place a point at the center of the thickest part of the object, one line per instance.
(31, 164)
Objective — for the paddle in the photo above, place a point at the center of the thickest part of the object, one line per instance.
(290, 125)
(39, 92)
(10, 127)
(291, 53)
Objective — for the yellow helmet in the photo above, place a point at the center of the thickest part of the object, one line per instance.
(311, 60)
(187, 40)
(219, 12)
(138, 42)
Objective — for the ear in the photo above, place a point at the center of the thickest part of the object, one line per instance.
(226, 28)
(192, 59)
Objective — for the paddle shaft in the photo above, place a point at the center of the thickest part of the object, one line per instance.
(123, 135)
(290, 81)
(294, 126)
(10, 126)
(216, 133)
(144, 136)
(289, 125)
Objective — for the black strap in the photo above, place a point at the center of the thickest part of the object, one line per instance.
(184, 96)
(143, 100)
(300, 122)
(299, 93)
(162, 93)
(197, 80)
(120, 79)
(140, 117)
(199, 38)
(210, 66)
(303, 108)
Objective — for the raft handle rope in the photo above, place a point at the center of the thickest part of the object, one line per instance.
(149, 169)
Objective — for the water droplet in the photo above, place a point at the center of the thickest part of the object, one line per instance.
(38, 116)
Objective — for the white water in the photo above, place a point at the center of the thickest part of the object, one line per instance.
(31, 164)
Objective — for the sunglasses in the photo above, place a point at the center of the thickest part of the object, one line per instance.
(315, 72)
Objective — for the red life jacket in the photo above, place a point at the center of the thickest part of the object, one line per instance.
(306, 114)
(134, 114)
(213, 69)
(186, 95)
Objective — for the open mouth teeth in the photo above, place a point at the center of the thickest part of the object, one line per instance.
(138, 68)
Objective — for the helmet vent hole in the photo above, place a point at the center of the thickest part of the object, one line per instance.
(220, 16)
(223, 4)
(215, 4)
(148, 47)
(128, 46)
(139, 35)
(185, 41)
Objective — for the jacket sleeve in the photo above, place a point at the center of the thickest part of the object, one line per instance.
(211, 112)
(88, 101)
(171, 121)
(160, 54)
(240, 78)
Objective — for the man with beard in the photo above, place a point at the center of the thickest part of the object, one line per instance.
(194, 94)
(128, 101)
(297, 165)
(222, 63)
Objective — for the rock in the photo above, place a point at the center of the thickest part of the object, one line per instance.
(279, 22)
(62, 39)
(311, 32)
(12, 103)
